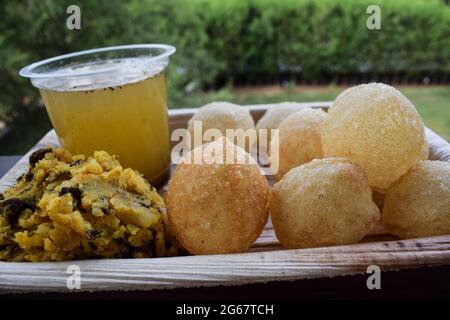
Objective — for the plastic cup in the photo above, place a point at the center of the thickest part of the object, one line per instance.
(112, 99)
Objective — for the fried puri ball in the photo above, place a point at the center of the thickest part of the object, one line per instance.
(221, 115)
(376, 127)
(418, 205)
(299, 140)
(276, 114)
(220, 206)
(324, 202)
(272, 119)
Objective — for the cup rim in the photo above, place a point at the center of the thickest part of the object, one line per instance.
(27, 71)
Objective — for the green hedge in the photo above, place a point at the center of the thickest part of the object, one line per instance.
(252, 40)
(222, 42)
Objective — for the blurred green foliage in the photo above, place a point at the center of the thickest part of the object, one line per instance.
(32, 30)
(220, 42)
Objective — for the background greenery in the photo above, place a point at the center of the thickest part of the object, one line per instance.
(222, 44)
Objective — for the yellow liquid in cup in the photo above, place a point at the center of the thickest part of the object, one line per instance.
(128, 120)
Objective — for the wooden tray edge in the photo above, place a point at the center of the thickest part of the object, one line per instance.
(224, 270)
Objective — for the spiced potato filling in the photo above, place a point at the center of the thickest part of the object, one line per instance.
(75, 207)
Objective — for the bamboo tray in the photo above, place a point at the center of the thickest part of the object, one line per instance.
(265, 261)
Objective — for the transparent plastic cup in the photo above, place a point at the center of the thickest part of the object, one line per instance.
(112, 99)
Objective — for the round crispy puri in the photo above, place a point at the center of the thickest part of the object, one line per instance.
(376, 127)
(218, 207)
(221, 115)
(273, 117)
(324, 202)
(299, 140)
(418, 205)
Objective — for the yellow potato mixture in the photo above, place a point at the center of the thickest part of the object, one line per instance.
(75, 207)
